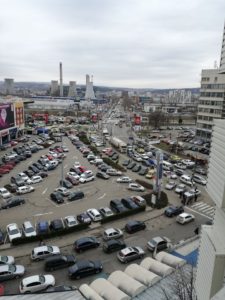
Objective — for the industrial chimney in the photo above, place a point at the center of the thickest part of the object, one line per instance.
(61, 80)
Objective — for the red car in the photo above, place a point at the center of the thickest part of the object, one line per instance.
(4, 171)
(59, 150)
(72, 180)
(49, 157)
(7, 166)
(13, 143)
(11, 163)
(82, 169)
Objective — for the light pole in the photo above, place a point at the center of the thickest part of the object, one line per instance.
(62, 163)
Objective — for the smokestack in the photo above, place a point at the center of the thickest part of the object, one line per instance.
(61, 80)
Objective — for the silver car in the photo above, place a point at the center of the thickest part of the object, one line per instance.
(6, 260)
(130, 253)
(11, 271)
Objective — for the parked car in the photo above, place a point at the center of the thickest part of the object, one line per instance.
(4, 193)
(59, 262)
(113, 172)
(113, 245)
(172, 211)
(57, 197)
(84, 218)
(14, 201)
(84, 268)
(86, 176)
(140, 201)
(13, 231)
(85, 243)
(198, 179)
(11, 187)
(11, 271)
(36, 283)
(105, 211)
(94, 214)
(28, 229)
(134, 226)
(170, 185)
(185, 218)
(130, 253)
(24, 189)
(63, 191)
(186, 179)
(112, 233)
(70, 221)
(102, 175)
(75, 196)
(66, 184)
(158, 242)
(180, 188)
(136, 187)
(56, 225)
(42, 227)
(6, 260)
(117, 206)
(124, 179)
(43, 252)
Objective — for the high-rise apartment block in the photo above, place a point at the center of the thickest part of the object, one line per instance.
(9, 86)
(212, 97)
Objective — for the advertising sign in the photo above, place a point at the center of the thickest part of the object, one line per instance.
(137, 120)
(6, 116)
(19, 113)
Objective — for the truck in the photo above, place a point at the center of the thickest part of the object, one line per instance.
(119, 144)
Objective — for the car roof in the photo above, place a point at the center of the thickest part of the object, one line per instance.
(40, 248)
(30, 279)
(127, 250)
(158, 239)
(110, 230)
(184, 215)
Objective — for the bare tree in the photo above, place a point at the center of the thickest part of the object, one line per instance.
(156, 119)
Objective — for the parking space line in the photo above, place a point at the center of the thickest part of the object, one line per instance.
(45, 190)
(101, 196)
(41, 214)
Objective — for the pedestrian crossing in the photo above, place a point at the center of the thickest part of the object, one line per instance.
(204, 208)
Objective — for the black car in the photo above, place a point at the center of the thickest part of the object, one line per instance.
(75, 196)
(57, 197)
(104, 168)
(126, 162)
(58, 262)
(84, 218)
(85, 243)
(56, 225)
(143, 171)
(134, 226)
(113, 245)
(131, 165)
(179, 172)
(172, 211)
(65, 183)
(37, 165)
(115, 156)
(11, 187)
(129, 203)
(29, 173)
(14, 201)
(21, 157)
(84, 268)
(102, 175)
(76, 170)
(43, 174)
(117, 206)
(136, 168)
(1, 237)
(34, 169)
(60, 288)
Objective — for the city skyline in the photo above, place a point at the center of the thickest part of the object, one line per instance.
(130, 44)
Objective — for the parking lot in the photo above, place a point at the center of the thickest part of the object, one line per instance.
(97, 193)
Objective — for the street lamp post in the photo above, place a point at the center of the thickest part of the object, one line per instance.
(62, 175)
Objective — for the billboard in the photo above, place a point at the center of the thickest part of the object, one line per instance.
(19, 113)
(137, 120)
(6, 116)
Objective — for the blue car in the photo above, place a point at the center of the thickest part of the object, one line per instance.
(172, 211)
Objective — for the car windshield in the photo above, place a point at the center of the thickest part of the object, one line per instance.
(42, 279)
(153, 242)
(12, 268)
(13, 231)
(4, 259)
(50, 249)
(29, 229)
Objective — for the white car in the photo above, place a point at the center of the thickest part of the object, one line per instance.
(136, 187)
(28, 229)
(113, 172)
(36, 179)
(130, 253)
(189, 163)
(64, 191)
(173, 176)
(180, 188)
(186, 179)
(23, 176)
(170, 185)
(4, 193)
(24, 189)
(74, 175)
(94, 214)
(106, 211)
(124, 179)
(7, 260)
(36, 283)
(180, 166)
(70, 221)
(112, 233)
(65, 149)
(86, 177)
(199, 179)
(185, 218)
(43, 252)
(13, 231)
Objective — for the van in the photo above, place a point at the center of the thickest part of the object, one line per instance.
(140, 201)
(186, 179)
(167, 166)
(59, 262)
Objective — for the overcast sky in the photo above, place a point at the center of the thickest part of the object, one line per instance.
(123, 43)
